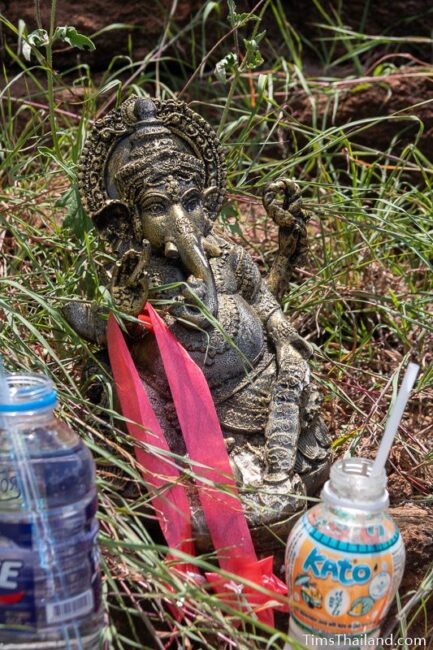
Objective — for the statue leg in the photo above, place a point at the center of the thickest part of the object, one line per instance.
(284, 423)
(313, 457)
(296, 449)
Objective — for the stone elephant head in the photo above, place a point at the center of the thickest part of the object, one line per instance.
(159, 183)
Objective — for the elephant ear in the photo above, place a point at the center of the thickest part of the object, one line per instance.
(211, 200)
(113, 221)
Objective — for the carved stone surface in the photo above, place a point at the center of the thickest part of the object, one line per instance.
(152, 177)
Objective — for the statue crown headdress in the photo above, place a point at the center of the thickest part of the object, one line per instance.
(142, 141)
(155, 152)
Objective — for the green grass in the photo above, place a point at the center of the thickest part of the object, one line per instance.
(363, 300)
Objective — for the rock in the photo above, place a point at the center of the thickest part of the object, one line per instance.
(416, 527)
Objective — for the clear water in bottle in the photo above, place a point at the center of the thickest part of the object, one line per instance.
(50, 583)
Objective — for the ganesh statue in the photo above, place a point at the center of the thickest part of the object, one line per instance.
(152, 179)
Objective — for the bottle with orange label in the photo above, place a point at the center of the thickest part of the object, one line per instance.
(344, 560)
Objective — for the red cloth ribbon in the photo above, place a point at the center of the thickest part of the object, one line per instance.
(204, 442)
(171, 503)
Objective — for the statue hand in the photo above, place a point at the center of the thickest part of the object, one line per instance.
(196, 288)
(129, 282)
(297, 348)
(291, 219)
(287, 211)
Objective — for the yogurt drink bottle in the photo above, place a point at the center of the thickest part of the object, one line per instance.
(344, 561)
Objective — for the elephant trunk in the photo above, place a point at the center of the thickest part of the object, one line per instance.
(187, 241)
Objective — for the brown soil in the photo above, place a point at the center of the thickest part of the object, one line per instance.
(144, 20)
(398, 18)
(407, 92)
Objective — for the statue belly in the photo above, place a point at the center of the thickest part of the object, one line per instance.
(226, 357)
(244, 408)
(234, 351)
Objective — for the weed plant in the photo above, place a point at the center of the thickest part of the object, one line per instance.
(363, 300)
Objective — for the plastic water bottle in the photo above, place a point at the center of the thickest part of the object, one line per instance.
(50, 583)
(344, 561)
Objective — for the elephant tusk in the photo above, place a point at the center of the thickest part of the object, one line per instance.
(201, 256)
(171, 250)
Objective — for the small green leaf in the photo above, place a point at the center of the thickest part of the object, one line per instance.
(253, 57)
(76, 219)
(359, 88)
(226, 66)
(72, 37)
(105, 295)
(46, 151)
(239, 20)
(37, 38)
(261, 82)
(22, 31)
(232, 7)
(26, 50)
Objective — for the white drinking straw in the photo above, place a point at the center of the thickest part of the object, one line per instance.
(394, 418)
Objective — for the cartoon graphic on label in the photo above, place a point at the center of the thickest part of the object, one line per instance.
(309, 592)
(361, 606)
(379, 586)
(337, 602)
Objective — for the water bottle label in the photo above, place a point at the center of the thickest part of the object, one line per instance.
(71, 608)
(17, 534)
(27, 597)
(339, 585)
(17, 602)
(9, 488)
